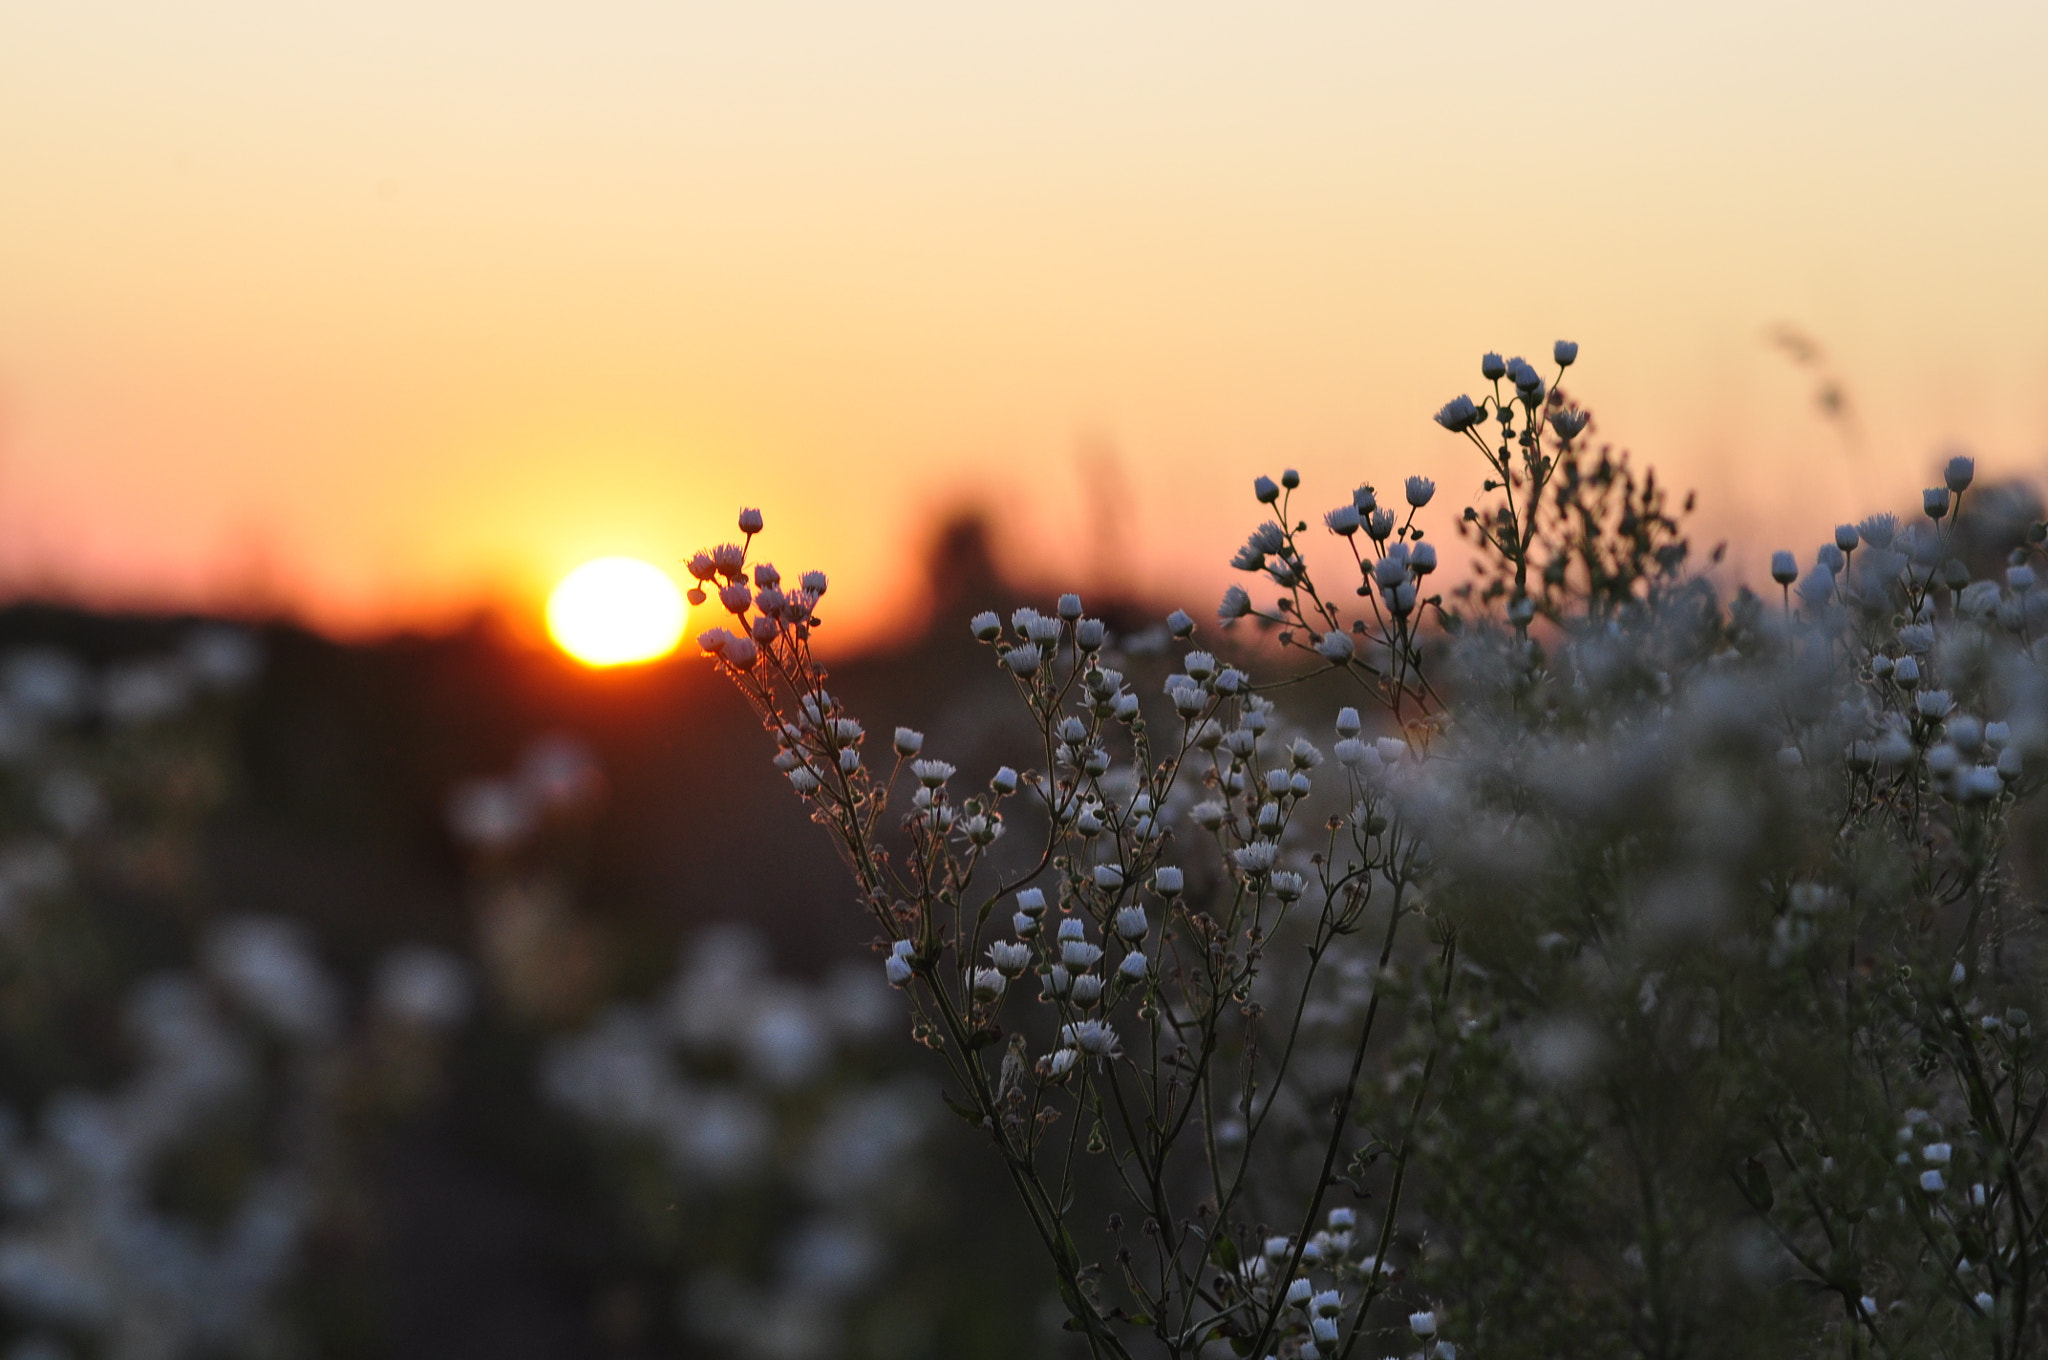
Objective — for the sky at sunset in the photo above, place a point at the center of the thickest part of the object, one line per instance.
(375, 312)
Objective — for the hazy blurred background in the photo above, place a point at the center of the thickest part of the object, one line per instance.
(375, 980)
(373, 312)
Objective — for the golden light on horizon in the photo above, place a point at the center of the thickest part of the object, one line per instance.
(614, 611)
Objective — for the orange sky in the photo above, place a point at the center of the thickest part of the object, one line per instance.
(384, 309)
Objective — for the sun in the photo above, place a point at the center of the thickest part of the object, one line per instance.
(616, 610)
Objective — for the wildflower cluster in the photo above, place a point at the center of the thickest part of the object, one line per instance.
(1621, 930)
(175, 1081)
(745, 1088)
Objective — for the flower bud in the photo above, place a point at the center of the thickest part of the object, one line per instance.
(1180, 623)
(897, 969)
(987, 627)
(909, 741)
(1934, 500)
(750, 521)
(1419, 491)
(1266, 489)
(1784, 567)
(1004, 780)
(1959, 473)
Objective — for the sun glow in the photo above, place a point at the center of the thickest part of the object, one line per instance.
(614, 611)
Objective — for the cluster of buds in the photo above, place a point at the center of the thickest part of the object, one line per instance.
(766, 611)
(1035, 637)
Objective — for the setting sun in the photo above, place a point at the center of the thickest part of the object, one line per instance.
(616, 610)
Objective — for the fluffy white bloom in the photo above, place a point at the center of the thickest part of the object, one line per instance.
(1423, 1324)
(1093, 1037)
(1255, 858)
(1080, 954)
(931, 773)
(909, 741)
(1937, 1153)
(1131, 923)
(1010, 959)
(1134, 966)
(1933, 1182)
(1300, 1291)
(1335, 646)
(988, 984)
